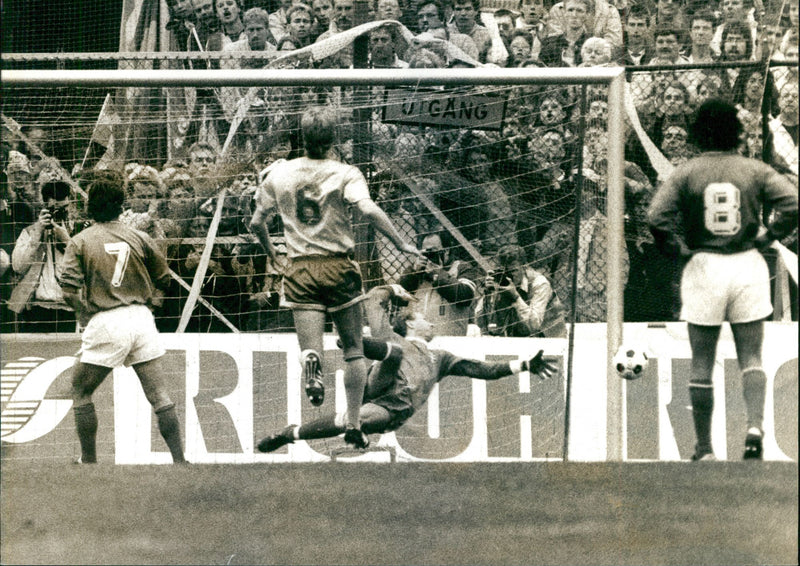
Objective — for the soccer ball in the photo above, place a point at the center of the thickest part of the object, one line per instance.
(630, 362)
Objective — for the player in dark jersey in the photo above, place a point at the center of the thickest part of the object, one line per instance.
(405, 371)
(709, 210)
(119, 270)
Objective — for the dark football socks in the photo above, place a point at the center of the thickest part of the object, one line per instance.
(702, 396)
(86, 426)
(324, 427)
(170, 430)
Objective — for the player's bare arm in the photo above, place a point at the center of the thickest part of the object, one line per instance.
(72, 297)
(258, 226)
(377, 217)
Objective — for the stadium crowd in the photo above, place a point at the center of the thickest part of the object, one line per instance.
(505, 194)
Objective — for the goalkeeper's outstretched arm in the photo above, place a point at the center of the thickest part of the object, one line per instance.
(489, 371)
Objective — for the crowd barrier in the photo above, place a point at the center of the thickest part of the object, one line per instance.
(233, 389)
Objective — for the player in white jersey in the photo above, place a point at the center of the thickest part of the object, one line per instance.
(404, 373)
(709, 210)
(118, 269)
(314, 196)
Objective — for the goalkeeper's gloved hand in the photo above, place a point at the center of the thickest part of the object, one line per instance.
(541, 367)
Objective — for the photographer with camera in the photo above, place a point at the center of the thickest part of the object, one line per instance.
(519, 301)
(445, 290)
(37, 299)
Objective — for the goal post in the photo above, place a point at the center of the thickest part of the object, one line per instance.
(610, 79)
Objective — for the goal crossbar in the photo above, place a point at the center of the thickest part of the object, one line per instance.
(300, 77)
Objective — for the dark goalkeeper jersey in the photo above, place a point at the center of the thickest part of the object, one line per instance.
(717, 199)
(421, 368)
(118, 266)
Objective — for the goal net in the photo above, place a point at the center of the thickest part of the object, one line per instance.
(494, 166)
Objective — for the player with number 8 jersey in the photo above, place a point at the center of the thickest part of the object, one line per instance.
(709, 211)
(118, 269)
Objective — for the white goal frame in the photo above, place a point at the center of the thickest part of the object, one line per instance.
(612, 77)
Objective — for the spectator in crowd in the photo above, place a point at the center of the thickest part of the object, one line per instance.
(564, 49)
(701, 30)
(475, 156)
(553, 254)
(675, 144)
(638, 49)
(15, 216)
(444, 287)
(203, 167)
(553, 113)
(522, 47)
(300, 18)
(784, 130)
(667, 46)
(431, 24)
(343, 19)
(278, 21)
(388, 10)
(737, 45)
(323, 15)
(672, 107)
(20, 179)
(670, 13)
(785, 75)
(769, 40)
(595, 52)
(646, 88)
(181, 22)
(229, 13)
(753, 145)
(533, 13)
(257, 38)
(207, 26)
(518, 300)
(705, 85)
(465, 21)
(222, 285)
(742, 13)
(383, 49)
(793, 12)
(404, 211)
(749, 89)
(504, 20)
(601, 20)
(143, 191)
(181, 205)
(37, 259)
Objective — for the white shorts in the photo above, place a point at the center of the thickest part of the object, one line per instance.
(121, 336)
(717, 287)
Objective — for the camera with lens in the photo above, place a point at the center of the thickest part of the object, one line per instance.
(502, 278)
(434, 256)
(59, 214)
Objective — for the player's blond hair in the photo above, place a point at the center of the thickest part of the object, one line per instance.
(319, 131)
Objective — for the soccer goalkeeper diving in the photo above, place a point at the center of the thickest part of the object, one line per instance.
(403, 373)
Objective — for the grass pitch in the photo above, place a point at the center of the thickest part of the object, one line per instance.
(407, 513)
